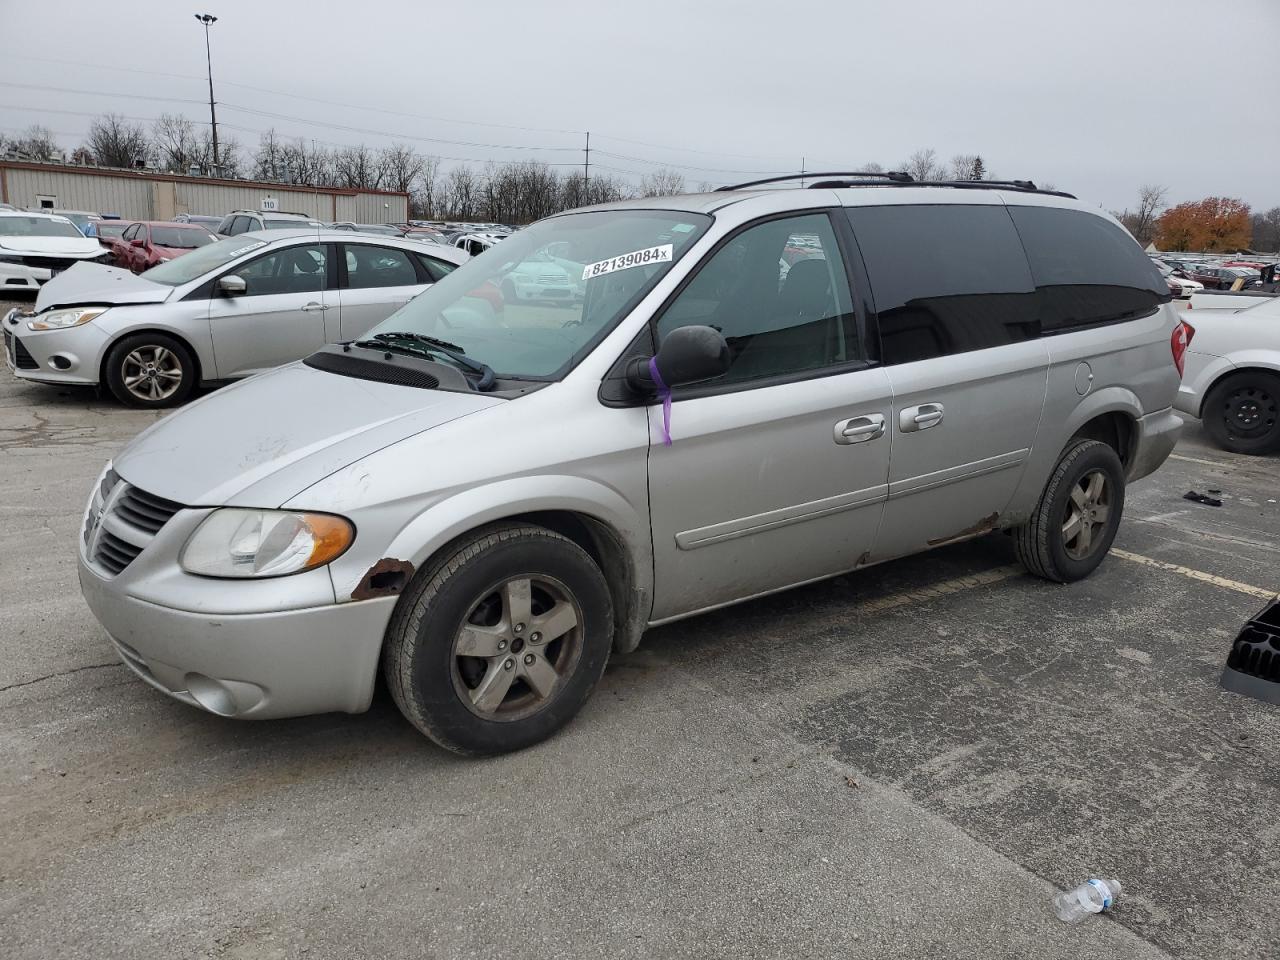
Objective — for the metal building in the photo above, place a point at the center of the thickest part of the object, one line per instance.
(138, 195)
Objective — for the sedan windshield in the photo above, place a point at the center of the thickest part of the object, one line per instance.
(38, 227)
(532, 305)
(186, 268)
(180, 238)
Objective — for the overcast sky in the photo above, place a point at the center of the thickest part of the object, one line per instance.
(1094, 96)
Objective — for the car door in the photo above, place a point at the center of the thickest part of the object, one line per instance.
(374, 282)
(959, 333)
(280, 316)
(776, 472)
(126, 253)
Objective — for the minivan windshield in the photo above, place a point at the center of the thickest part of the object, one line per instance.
(531, 306)
(197, 263)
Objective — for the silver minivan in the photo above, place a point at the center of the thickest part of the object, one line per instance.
(758, 389)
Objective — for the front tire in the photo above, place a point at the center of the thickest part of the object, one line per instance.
(1075, 522)
(499, 643)
(1242, 412)
(150, 370)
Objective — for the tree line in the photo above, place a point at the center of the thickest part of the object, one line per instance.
(1211, 225)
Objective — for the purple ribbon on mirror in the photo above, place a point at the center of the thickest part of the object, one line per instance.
(664, 394)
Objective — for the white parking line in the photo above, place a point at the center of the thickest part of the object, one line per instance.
(1209, 463)
(1200, 575)
(946, 588)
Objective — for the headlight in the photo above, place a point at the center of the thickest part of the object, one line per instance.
(265, 543)
(61, 319)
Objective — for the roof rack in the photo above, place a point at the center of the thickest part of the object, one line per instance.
(1024, 186)
(892, 175)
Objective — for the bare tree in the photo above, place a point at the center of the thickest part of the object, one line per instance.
(425, 201)
(268, 159)
(923, 165)
(356, 167)
(461, 193)
(663, 182)
(306, 164)
(872, 167)
(399, 167)
(1266, 230)
(231, 156)
(968, 166)
(117, 143)
(175, 143)
(1142, 221)
(36, 143)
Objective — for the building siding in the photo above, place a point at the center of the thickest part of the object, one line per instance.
(160, 197)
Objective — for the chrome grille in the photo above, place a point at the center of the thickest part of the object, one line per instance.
(121, 521)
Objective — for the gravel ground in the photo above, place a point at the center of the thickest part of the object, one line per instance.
(903, 762)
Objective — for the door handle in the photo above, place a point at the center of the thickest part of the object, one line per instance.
(859, 429)
(312, 307)
(920, 418)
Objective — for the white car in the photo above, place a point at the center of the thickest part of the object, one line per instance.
(1185, 286)
(36, 247)
(1231, 380)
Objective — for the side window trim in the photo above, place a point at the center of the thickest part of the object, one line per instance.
(737, 386)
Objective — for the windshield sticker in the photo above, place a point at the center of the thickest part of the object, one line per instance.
(682, 228)
(637, 258)
(253, 246)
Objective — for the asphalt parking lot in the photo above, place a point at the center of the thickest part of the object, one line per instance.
(903, 762)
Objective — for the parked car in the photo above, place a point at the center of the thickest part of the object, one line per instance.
(245, 221)
(487, 506)
(147, 243)
(35, 247)
(1232, 376)
(110, 230)
(477, 243)
(226, 310)
(85, 221)
(209, 223)
(1179, 284)
(1221, 278)
(381, 229)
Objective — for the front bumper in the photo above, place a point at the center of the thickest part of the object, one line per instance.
(262, 665)
(71, 356)
(1155, 436)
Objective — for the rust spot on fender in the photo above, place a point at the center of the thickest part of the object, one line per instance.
(864, 559)
(385, 578)
(985, 525)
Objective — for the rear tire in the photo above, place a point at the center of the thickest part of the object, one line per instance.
(1242, 412)
(1075, 522)
(150, 370)
(498, 643)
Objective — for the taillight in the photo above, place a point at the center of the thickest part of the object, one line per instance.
(1178, 343)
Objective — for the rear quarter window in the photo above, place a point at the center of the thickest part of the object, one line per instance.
(946, 279)
(1087, 270)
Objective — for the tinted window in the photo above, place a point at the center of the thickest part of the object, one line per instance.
(945, 279)
(378, 267)
(1087, 270)
(779, 294)
(436, 269)
(289, 270)
(178, 238)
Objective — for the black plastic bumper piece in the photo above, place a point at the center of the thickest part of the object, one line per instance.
(1253, 666)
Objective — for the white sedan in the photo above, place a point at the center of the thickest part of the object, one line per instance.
(1232, 376)
(36, 247)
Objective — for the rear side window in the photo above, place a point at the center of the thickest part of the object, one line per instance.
(378, 267)
(945, 279)
(1087, 270)
(436, 269)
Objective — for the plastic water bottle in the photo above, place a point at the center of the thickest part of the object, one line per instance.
(1092, 896)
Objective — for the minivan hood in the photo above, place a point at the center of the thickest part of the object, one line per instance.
(93, 283)
(260, 442)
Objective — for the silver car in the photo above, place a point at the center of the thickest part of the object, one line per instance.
(224, 311)
(484, 498)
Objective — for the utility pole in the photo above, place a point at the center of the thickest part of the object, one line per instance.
(802, 173)
(208, 19)
(586, 164)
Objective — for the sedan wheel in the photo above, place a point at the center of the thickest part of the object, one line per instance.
(1242, 412)
(150, 370)
(152, 373)
(1088, 510)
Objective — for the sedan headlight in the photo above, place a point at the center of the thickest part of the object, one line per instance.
(265, 543)
(61, 319)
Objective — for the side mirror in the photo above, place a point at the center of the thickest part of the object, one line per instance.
(687, 355)
(137, 243)
(232, 286)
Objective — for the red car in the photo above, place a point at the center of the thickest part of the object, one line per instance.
(143, 245)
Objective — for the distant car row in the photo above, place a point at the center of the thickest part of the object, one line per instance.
(1186, 276)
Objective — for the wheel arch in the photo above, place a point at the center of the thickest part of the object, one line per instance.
(125, 334)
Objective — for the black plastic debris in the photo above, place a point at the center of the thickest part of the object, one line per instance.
(1253, 666)
(1202, 498)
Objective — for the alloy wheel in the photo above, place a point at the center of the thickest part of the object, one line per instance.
(152, 373)
(1088, 510)
(516, 647)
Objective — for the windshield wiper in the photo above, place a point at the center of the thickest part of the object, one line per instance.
(421, 345)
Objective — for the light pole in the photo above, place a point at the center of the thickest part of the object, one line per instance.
(207, 19)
